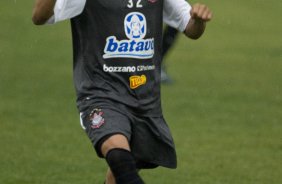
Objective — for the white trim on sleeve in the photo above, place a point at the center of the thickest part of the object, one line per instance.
(66, 9)
(176, 13)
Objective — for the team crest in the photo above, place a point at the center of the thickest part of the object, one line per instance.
(96, 118)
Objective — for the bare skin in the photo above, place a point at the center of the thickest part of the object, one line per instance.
(42, 11)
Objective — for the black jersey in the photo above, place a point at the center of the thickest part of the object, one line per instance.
(117, 54)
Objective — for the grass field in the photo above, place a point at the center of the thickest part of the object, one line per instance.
(224, 109)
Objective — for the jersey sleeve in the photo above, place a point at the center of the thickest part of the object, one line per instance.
(66, 9)
(176, 13)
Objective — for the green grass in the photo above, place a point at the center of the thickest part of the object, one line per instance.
(224, 109)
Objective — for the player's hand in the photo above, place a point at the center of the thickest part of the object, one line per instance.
(200, 12)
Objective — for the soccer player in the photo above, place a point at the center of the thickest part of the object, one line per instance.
(117, 57)
(169, 37)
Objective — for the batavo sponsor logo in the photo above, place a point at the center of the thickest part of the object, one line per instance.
(128, 48)
(136, 81)
(135, 27)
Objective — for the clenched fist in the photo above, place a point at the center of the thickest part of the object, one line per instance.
(201, 12)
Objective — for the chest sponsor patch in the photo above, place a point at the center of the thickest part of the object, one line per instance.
(136, 81)
(136, 46)
(127, 69)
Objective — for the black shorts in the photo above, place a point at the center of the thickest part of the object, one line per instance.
(150, 139)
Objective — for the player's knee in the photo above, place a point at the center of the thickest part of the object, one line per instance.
(114, 141)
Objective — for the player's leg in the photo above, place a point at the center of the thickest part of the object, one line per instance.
(110, 179)
(169, 38)
(110, 132)
(122, 164)
(108, 145)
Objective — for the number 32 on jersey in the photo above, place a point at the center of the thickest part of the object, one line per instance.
(131, 4)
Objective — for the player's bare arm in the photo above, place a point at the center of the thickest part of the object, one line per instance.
(42, 11)
(200, 14)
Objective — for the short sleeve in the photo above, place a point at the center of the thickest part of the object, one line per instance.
(66, 9)
(176, 13)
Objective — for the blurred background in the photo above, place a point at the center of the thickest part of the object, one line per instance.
(224, 107)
